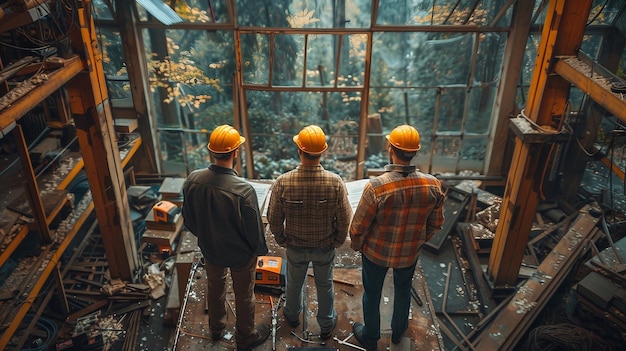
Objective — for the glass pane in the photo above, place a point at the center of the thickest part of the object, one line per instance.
(352, 61)
(288, 60)
(275, 117)
(113, 63)
(577, 99)
(445, 153)
(539, 12)
(528, 65)
(255, 58)
(441, 12)
(473, 154)
(263, 13)
(194, 11)
(100, 10)
(190, 74)
(482, 99)
(304, 14)
(321, 55)
(403, 106)
(489, 57)
(451, 110)
(421, 59)
(604, 11)
(591, 45)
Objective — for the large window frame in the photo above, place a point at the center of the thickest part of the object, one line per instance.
(443, 150)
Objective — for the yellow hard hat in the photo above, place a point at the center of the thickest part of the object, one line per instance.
(405, 138)
(311, 140)
(224, 139)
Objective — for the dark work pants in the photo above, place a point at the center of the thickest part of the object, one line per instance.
(373, 279)
(243, 287)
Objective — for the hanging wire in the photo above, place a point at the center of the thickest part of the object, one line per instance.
(50, 39)
(598, 13)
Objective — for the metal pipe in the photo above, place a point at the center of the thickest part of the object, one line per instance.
(344, 342)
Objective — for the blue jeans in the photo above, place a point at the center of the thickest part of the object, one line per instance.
(297, 265)
(373, 279)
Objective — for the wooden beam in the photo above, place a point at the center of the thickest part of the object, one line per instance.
(513, 60)
(547, 100)
(32, 188)
(592, 83)
(98, 145)
(138, 76)
(55, 80)
(38, 282)
(505, 331)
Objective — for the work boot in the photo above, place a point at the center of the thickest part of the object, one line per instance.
(396, 338)
(217, 335)
(325, 334)
(291, 323)
(368, 344)
(262, 331)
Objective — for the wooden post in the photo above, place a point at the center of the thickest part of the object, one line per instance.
(32, 189)
(563, 32)
(98, 144)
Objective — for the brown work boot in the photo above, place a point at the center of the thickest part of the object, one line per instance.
(263, 332)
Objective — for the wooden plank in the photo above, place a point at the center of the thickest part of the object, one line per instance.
(171, 187)
(173, 302)
(40, 280)
(456, 200)
(58, 280)
(513, 321)
(162, 238)
(125, 125)
(31, 184)
(187, 253)
(548, 97)
(8, 251)
(422, 333)
(591, 83)
(10, 70)
(55, 80)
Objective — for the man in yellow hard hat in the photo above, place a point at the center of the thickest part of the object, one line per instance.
(398, 211)
(222, 210)
(309, 214)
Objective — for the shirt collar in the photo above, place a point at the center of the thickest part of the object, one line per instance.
(400, 168)
(219, 169)
(310, 168)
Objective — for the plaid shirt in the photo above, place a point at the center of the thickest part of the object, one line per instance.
(309, 208)
(399, 211)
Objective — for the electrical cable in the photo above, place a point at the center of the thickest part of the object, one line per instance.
(46, 325)
(597, 13)
(564, 337)
(44, 44)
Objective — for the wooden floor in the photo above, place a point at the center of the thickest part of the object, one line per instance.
(192, 332)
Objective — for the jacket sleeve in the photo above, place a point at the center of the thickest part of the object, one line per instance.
(276, 215)
(187, 210)
(253, 224)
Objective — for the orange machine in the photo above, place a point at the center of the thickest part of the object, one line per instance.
(271, 274)
(164, 211)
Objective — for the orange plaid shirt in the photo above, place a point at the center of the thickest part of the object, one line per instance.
(399, 211)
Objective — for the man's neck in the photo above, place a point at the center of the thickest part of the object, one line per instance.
(227, 163)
